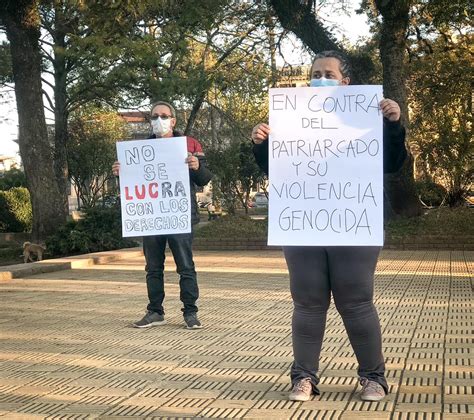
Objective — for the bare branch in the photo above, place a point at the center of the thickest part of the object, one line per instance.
(43, 80)
(51, 104)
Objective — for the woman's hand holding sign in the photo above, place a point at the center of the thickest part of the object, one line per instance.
(390, 109)
(260, 133)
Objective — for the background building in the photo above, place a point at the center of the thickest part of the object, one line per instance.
(293, 76)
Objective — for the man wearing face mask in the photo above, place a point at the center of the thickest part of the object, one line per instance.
(163, 121)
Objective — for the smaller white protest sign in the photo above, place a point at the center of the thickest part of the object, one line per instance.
(326, 166)
(154, 187)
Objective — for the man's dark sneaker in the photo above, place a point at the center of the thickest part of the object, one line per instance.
(151, 319)
(302, 390)
(192, 321)
(371, 391)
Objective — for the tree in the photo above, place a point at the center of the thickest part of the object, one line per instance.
(249, 174)
(392, 46)
(235, 174)
(140, 51)
(58, 25)
(440, 93)
(78, 54)
(300, 18)
(180, 53)
(91, 152)
(21, 22)
(235, 103)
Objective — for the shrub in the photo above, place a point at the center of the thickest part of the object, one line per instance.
(15, 210)
(91, 149)
(12, 178)
(234, 227)
(99, 230)
(440, 221)
(430, 193)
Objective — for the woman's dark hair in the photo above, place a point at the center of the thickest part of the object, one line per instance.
(344, 65)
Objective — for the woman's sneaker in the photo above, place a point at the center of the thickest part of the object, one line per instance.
(302, 390)
(371, 390)
(192, 321)
(151, 319)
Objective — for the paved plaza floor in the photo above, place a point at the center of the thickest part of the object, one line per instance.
(67, 350)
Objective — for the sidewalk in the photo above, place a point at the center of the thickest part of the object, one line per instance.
(67, 349)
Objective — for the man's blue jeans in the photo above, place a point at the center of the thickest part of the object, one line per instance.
(181, 248)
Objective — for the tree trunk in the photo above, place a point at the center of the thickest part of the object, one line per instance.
(400, 187)
(299, 18)
(60, 109)
(270, 24)
(21, 20)
(194, 112)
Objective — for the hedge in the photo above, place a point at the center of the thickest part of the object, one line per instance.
(15, 210)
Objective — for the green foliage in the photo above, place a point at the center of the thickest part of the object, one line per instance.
(440, 92)
(440, 221)
(147, 49)
(99, 230)
(365, 63)
(237, 102)
(15, 210)
(91, 151)
(430, 193)
(234, 227)
(12, 178)
(235, 174)
(225, 181)
(439, 69)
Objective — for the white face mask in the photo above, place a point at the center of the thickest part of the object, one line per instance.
(161, 127)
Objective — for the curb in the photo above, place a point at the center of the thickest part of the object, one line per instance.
(10, 272)
(421, 242)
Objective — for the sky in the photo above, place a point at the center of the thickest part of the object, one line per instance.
(352, 27)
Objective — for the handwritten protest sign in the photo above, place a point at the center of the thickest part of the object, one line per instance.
(326, 166)
(154, 187)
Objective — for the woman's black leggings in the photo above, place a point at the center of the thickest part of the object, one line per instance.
(347, 273)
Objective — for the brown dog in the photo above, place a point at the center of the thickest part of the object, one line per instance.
(29, 249)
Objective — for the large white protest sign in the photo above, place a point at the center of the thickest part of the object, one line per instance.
(154, 187)
(326, 166)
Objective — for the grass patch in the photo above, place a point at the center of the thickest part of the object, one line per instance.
(440, 221)
(231, 227)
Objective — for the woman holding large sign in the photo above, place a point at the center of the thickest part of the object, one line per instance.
(345, 271)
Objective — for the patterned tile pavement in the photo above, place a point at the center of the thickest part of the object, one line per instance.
(67, 350)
